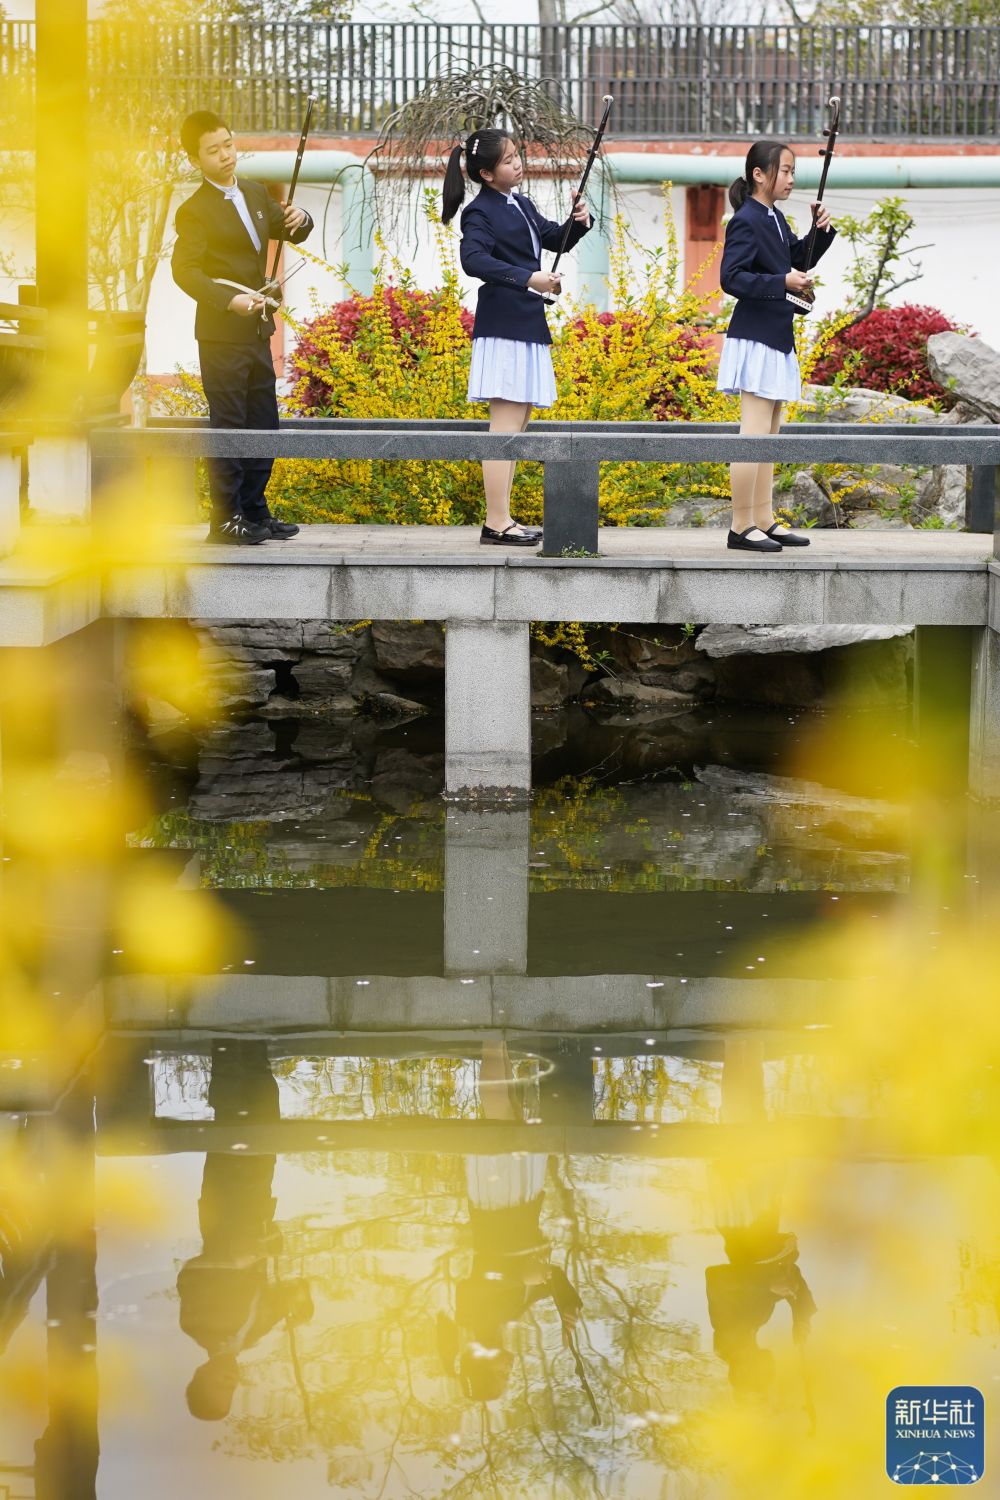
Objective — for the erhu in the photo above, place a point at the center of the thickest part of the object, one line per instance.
(608, 100)
(269, 295)
(803, 302)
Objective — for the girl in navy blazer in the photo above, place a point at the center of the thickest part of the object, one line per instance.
(763, 260)
(503, 236)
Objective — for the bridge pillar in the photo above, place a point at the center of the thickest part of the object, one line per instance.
(984, 728)
(486, 890)
(941, 687)
(487, 727)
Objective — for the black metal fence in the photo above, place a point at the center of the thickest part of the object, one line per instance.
(897, 82)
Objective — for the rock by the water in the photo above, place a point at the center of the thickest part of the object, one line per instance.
(410, 650)
(391, 706)
(756, 640)
(618, 693)
(549, 683)
(321, 675)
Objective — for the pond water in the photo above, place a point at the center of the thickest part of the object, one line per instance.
(634, 1143)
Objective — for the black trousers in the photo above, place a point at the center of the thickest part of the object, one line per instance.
(239, 385)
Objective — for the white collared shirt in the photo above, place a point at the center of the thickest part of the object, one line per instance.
(235, 196)
(777, 223)
(536, 243)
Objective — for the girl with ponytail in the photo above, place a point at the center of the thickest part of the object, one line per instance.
(761, 261)
(503, 236)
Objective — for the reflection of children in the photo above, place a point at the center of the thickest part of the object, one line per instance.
(228, 1301)
(763, 1270)
(762, 1267)
(511, 1257)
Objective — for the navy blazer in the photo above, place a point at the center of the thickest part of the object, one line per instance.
(755, 262)
(212, 241)
(497, 250)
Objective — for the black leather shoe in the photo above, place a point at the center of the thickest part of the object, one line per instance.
(752, 540)
(281, 531)
(238, 533)
(779, 533)
(511, 536)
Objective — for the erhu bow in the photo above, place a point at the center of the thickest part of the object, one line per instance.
(591, 158)
(803, 302)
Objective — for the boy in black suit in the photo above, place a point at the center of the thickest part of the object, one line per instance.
(222, 232)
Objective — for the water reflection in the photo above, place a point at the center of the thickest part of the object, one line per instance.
(566, 1152)
(229, 1296)
(762, 1266)
(512, 1267)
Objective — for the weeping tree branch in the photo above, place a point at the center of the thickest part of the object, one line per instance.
(456, 102)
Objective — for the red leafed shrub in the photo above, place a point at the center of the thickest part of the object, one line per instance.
(409, 311)
(888, 352)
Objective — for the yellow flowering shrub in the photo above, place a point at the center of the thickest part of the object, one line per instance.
(404, 353)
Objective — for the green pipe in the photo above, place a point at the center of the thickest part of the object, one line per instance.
(886, 173)
(883, 172)
(276, 166)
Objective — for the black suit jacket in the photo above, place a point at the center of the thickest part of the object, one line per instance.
(497, 249)
(755, 261)
(212, 241)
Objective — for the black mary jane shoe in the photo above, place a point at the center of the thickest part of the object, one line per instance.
(744, 541)
(786, 538)
(511, 536)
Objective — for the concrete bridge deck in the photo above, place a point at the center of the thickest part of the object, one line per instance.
(642, 575)
(661, 575)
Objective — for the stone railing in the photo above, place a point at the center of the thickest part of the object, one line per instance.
(572, 453)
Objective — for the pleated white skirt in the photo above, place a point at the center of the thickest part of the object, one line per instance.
(760, 370)
(509, 370)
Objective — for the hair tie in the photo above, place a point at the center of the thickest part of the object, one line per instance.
(474, 147)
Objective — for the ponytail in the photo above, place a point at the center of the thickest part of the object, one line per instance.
(739, 192)
(454, 186)
(763, 156)
(482, 152)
